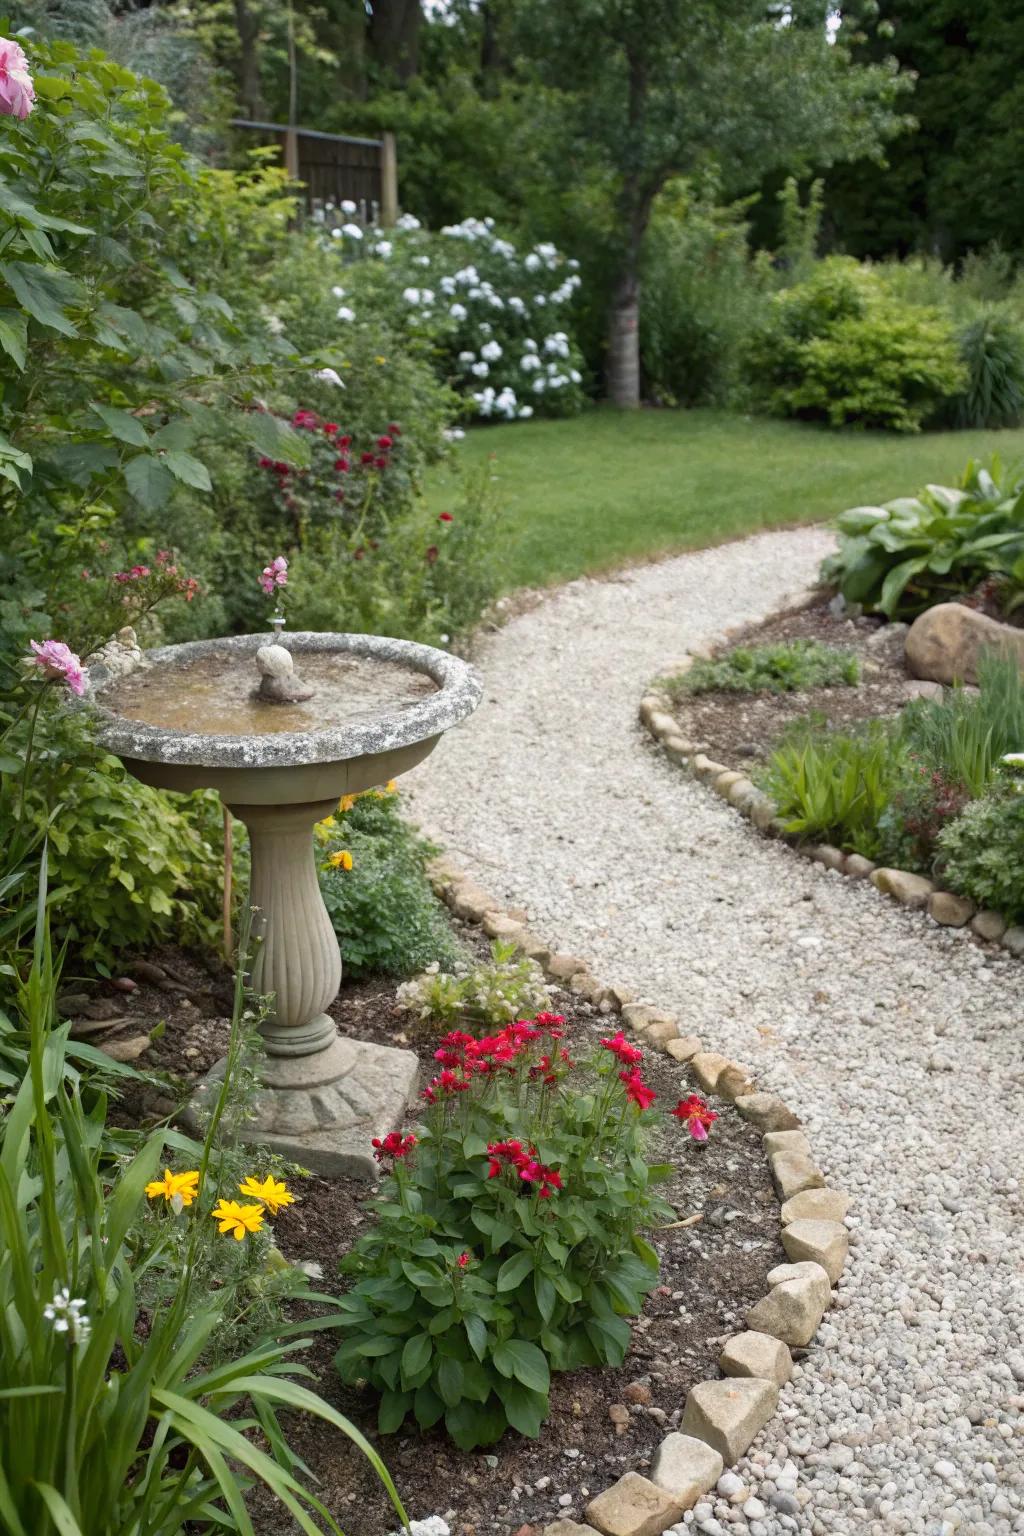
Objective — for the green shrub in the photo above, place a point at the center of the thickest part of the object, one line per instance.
(507, 1239)
(838, 348)
(981, 855)
(902, 557)
(374, 883)
(833, 786)
(790, 666)
(925, 801)
(991, 347)
(482, 996)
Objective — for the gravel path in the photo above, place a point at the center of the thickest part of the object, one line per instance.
(900, 1044)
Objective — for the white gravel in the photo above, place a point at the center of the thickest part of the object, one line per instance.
(899, 1043)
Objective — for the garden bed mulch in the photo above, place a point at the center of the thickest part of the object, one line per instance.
(737, 728)
(714, 1266)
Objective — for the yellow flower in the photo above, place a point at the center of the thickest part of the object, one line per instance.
(346, 803)
(340, 860)
(328, 821)
(391, 787)
(237, 1219)
(271, 1193)
(178, 1189)
(380, 361)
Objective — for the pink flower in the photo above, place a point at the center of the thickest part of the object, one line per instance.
(695, 1115)
(275, 574)
(17, 93)
(58, 661)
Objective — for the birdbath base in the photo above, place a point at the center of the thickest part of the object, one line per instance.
(323, 1110)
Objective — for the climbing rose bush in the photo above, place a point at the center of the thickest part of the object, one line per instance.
(498, 319)
(507, 1241)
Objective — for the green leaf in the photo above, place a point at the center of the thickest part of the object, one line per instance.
(149, 482)
(448, 1378)
(514, 1271)
(124, 427)
(524, 1361)
(427, 1407)
(415, 1355)
(476, 1333)
(392, 1411)
(184, 467)
(43, 291)
(526, 1410)
(64, 1521)
(14, 334)
(546, 1296)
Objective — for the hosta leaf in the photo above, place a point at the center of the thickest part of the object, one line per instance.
(476, 1333)
(392, 1411)
(427, 1407)
(448, 1380)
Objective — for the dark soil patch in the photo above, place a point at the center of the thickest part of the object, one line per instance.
(734, 728)
(711, 1272)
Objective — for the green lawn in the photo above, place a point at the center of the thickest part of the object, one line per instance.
(607, 488)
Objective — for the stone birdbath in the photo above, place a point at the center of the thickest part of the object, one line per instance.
(282, 727)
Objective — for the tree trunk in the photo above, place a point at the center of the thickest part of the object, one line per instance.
(394, 32)
(250, 87)
(623, 366)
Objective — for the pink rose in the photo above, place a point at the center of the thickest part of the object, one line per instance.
(17, 92)
(58, 661)
(275, 574)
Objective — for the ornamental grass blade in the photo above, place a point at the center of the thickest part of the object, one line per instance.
(61, 1516)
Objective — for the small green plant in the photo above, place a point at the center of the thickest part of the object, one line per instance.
(485, 996)
(375, 887)
(965, 734)
(981, 854)
(790, 666)
(833, 785)
(507, 1237)
(992, 351)
(902, 557)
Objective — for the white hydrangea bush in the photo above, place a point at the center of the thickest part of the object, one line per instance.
(498, 318)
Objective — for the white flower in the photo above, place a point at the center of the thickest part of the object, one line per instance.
(275, 325)
(453, 434)
(411, 295)
(348, 206)
(485, 327)
(525, 412)
(573, 264)
(485, 400)
(344, 313)
(421, 261)
(532, 262)
(352, 230)
(516, 305)
(540, 384)
(458, 311)
(575, 375)
(339, 293)
(481, 370)
(408, 221)
(426, 295)
(529, 361)
(311, 1269)
(383, 248)
(503, 248)
(476, 293)
(335, 234)
(530, 344)
(467, 357)
(491, 350)
(67, 1314)
(539, 298)
(448, 285)
(328, 375)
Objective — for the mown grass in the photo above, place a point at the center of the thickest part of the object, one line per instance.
(608, 488)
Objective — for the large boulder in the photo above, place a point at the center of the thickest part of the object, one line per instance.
(944, 644)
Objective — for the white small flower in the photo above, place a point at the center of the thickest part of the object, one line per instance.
(311, 1269)
(67, 1314)
(466, 358)
(408, 221)
(539, 298)
(529, 362)
(421, 261)
(532, 262)
(480, 369)
(348, 207)
(275, 325)
(339, 293)
(383, 248)
(329, 376)
(453, 434)
(516, 305)
(411, 295)
(458, 311)
(426, 295)
(573, 264)
(575, 375)
(344, 313)
(540, 384)
(335, 234)
(530, 344)
(525, 412)
(448, 285)
(491, 350)
(352, 230)
(485, 327)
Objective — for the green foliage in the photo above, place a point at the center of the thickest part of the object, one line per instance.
(837, 348)
(965, 733)
(981, 854)
(91, 1360)
(902, 557)
(789, 666)
(991, 346)
(507, 1241)
(833, 786)
(479, 996)
(384, 912)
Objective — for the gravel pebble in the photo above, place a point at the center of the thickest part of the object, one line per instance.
(556, 800)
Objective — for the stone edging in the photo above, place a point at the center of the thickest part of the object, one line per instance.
(721, 1417)
(912, 891)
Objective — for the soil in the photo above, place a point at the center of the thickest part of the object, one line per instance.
(713, 1267)
(734, 728)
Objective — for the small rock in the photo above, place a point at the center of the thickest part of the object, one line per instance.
(767, 1112)
(794, 1173)
(725, 781)
(707, 1067)
(824, 853)
(763, 812)
(989, 925)
(685, 1468)
(756, 1354)
(729, 1485)
(733, 1082)
(1013, 940)
(728, 1414)
(816, 1205)
(126, 1050)
(564, 967)
(682, 1049)
(921, 688)
(948, 910)
(637, 1392)
(619, 1415)
(822, 1242)
(753, 1509)
(569, 1528)
(787, 1141)
(470, 902)
(857, 867)
(909, 890)
(498, 925)
(794, 1306)
(619, 997)
(634, 1506)
(565, 1500)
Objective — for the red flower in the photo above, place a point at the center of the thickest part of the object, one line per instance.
(431, 554)
(446, 1083)
(330, 427)
(281, 468)
(341, 465)
(444, 517)
(305, 419)
(394, 429)
(620, 1047)
(464, 1260)
(695, 1115)
(345, 442)
(385, 442)
(637, 1091)
(394, 1146)
(381, 463)
(366, 458)
(266, 463)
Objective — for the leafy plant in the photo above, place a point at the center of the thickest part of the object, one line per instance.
(981, 854)
(902, 557)
(374, 884)
(925, 802)
(507, 1239)
(789, 666)
(112, 1422)
(991, 348)
(834, 786)
(481, 996)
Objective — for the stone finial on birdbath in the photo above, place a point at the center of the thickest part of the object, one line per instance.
(279, 681)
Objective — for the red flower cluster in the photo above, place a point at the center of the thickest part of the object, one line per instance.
(620, 1047)
(393, 1146)
(305, 420)
(637, 1091)
(695, 1115)
(464, 1260)
(512, 1154)
(444, 517)
(463, 1057)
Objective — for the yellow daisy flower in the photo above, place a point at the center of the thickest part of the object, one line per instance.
(346, 803)
(341, 860)
(272, 1192)
(178, 1189)
(237, 1219)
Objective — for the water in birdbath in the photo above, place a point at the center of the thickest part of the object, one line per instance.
(219, 693)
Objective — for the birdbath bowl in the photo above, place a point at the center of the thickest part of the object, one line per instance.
(282, 727)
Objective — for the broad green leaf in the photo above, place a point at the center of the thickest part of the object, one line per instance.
(546, 1296)
(149, 481)
(476, 1333)
(126, 428)
(514, 1271)
(14, 334)
(44, 292)
(526, 1410)
(416, 1354)
(448, 1379)
(392, 1411)
(184, 467)
(524, 1361)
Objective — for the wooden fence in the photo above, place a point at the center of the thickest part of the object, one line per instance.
(335, 169)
